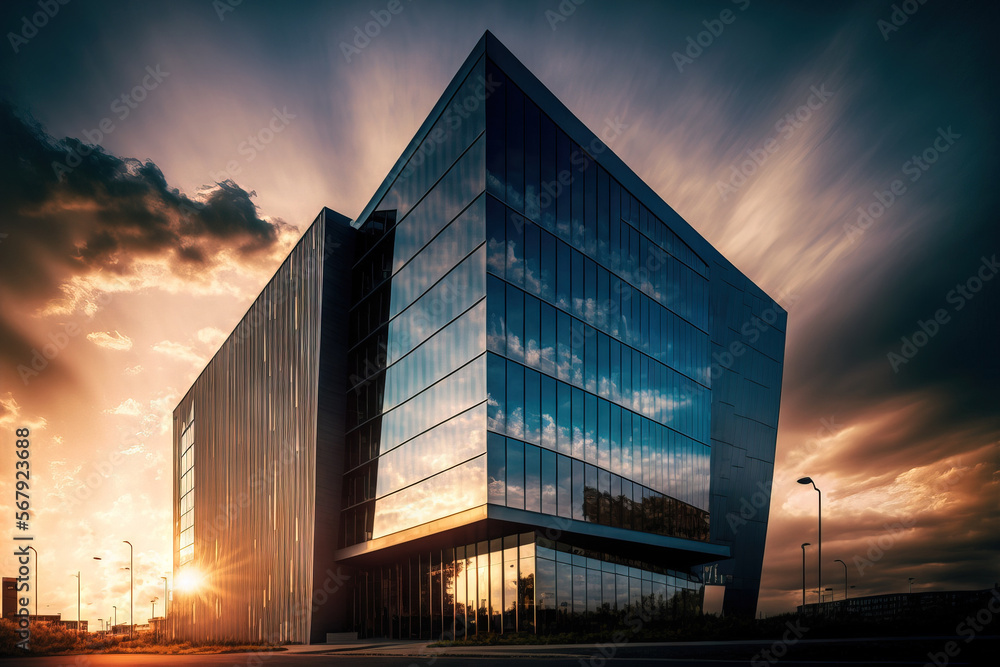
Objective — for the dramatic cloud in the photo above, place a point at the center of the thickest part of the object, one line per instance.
(81, 224)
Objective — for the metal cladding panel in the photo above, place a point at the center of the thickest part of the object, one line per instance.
(254, 410)
(331, 582)
(748, 340)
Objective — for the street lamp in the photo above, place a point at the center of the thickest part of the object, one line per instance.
(77, 575)
(845, 575)
(819, 547)
(166, 599)
(804, 545)
(36, 581)
(115, 607)
(131, 587)
(911, 580)
(164, 596)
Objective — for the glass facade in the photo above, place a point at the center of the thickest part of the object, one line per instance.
(522, 395)
(416, 442)
(516, 583)
(598, 364)
(185, 545)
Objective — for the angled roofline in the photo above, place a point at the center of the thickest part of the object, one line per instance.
(477, 52)
(549, 104)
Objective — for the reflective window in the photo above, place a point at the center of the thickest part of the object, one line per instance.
(456, 393)
(456, 241)
(454, 490)
(455, 190)
(461, 288)
(460, 438)
(442, 353)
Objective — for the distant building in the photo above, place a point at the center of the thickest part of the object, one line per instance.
(518, 392)
(893, 606)
(9, 597)
(72, 625)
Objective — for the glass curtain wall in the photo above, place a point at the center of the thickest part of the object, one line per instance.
(416, 408)
(517, 583)
(598, 371)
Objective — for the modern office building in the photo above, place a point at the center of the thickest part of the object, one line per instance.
(517, 393)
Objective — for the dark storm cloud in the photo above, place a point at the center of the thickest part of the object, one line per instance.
(73, 208)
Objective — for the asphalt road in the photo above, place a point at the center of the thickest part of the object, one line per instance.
(833, 653)
(304, 660)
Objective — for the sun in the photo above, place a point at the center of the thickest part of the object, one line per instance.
(188, 580)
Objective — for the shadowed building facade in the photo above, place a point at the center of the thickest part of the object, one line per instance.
(523, 395)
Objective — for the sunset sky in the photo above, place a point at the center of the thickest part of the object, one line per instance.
(133, 294)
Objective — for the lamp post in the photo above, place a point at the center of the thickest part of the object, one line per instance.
(78, 624)
(36, 581)
(845, 575)
(819, 547)
(166, 599)
(115, 607)
(910, 582)
(804, 545)
(131, 587)
(152, 615)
